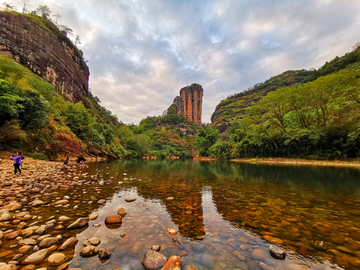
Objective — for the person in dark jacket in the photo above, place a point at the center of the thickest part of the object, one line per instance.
(17, 162)
(67, 160)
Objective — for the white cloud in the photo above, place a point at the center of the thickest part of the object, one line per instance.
(141, 53)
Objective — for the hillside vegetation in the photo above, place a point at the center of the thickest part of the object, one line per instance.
(307, 114)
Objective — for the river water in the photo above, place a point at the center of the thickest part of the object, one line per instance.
(226, 214)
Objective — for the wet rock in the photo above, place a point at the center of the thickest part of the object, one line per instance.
(208, 260)
(79, 223)
(27, 241)
(41, 230)
(8, 267)
(12, 206)
(61, 202)
(11, 235)
(277, 252)
(63, 218)
(37, 203)
(71, 242)
(224, 235)
(131, 199)
(153, 260)
(56, 259)
(4, 215)
(27, 232)
(172, 264)
(171, 231)
(121, 212)
(101, 201)
(273, 240)
(89, 251)
(59, 227)
(47, 242)
(36, 257)
(113, 219)
(21, 225)
(169, 198)
(258, 254)
(156, 248)
(104, 254)
(93, 241)
(93, 217)
(25, 249)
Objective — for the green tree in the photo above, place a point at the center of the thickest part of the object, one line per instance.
(205, 139)
(34, 109)
(44, 10)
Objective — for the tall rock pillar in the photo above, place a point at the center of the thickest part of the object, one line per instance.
(189, 103)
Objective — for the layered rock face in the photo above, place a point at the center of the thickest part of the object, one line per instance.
(189, 103)
(47, 52)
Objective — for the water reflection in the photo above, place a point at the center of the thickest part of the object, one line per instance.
(226, 214)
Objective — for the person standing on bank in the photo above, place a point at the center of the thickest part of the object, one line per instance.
(17, 162)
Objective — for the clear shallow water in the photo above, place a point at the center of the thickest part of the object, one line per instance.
(225, 214)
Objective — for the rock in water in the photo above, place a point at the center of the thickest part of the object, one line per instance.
(71, 242)
(93, 241)
(113, 219)
(4, 215)
(89, 251)
(36, 257)
(104, 254)
(172, 264)
(79, 223)
(131, 199)
(12, 206)
(277, 252)
(56, 259)
(153, 260)
(47, 242)
(122, 212)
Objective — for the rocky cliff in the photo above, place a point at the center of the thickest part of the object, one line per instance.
(40, 46)
(189, 103)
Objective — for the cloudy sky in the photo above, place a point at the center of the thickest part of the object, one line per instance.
(141, 53)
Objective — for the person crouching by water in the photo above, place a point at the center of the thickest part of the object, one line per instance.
(17, 162)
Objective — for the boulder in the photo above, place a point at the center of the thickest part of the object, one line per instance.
(93, 241)
(56, 259)
(89, 251)
(277, 252)
(131, 199)
(12, 206)
(153, 260)
(47, 242)
(104, 254)
(121, 212)
(113, 219)
(36, 257)
(4, 215)
(79, 223)
(71, 242)
(172, 264)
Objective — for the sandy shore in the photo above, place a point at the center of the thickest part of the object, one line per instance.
(299, 162)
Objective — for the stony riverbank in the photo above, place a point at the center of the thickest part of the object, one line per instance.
(29, 239)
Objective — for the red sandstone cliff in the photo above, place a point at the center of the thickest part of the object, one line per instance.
(189, 103)
(41, 47)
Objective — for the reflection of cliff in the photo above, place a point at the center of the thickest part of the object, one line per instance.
(186, 208)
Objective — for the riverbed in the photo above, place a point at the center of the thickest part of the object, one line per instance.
(225, 215)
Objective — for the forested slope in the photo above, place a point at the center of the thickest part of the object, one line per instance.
(315, 118)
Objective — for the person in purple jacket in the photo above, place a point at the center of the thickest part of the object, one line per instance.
(17, 162)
